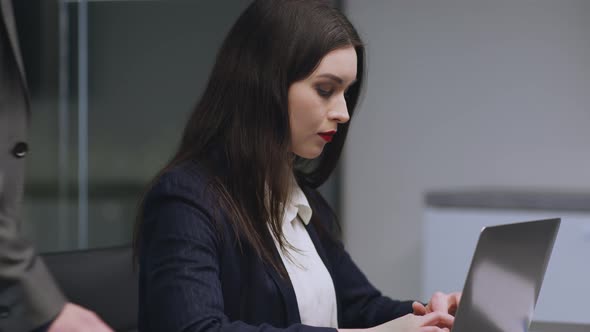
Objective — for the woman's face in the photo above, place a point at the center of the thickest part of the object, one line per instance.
(317, 104)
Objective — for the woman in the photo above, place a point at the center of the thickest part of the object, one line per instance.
(232, 234)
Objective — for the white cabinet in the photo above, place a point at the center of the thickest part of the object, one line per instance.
(450, 236)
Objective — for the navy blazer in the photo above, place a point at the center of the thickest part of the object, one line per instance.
(193, 279)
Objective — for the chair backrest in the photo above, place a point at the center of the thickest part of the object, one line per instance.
(101, 280)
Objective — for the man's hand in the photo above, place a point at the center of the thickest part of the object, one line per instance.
(440, 302)
(74, 318)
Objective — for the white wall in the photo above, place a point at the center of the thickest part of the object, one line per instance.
(460, 93)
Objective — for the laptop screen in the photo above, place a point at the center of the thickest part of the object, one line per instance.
(505, 277)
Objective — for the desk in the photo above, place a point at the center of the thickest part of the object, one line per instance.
(558, 327)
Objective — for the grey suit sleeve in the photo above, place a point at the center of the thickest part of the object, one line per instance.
(28, 294)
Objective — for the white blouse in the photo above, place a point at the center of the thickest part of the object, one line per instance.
(316, 297)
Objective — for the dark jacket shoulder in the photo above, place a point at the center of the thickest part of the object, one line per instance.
(188, 180)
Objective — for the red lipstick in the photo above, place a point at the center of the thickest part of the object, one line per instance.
(328, 135)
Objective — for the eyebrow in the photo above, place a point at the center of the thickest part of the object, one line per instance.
(335, 78)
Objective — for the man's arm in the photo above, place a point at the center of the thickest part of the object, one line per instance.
(28, 295)
(29, 298)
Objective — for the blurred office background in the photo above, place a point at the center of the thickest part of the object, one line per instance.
(467, 94)
(460, 94)
(112, 84)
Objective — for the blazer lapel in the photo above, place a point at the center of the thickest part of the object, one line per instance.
(287, 291)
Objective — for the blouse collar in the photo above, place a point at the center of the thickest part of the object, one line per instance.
(297, 204)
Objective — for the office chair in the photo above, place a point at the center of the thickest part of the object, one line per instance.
(101, 280)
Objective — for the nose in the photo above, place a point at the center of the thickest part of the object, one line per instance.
(339, 112)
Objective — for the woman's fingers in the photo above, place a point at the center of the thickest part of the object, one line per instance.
(442, 302)
(438, 302)
(419, 309)
(430, 329)
(439, 319)
(432, 322)
(454, 300)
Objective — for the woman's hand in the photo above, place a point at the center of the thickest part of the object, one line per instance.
(432, 322)
(440, 302)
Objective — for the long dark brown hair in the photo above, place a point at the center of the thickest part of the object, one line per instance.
(242, 117)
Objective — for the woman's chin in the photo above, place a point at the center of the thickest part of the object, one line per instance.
(310, 153)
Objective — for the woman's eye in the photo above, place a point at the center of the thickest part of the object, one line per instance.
(324, 92)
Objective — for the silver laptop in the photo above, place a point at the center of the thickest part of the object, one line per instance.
(505, 277)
